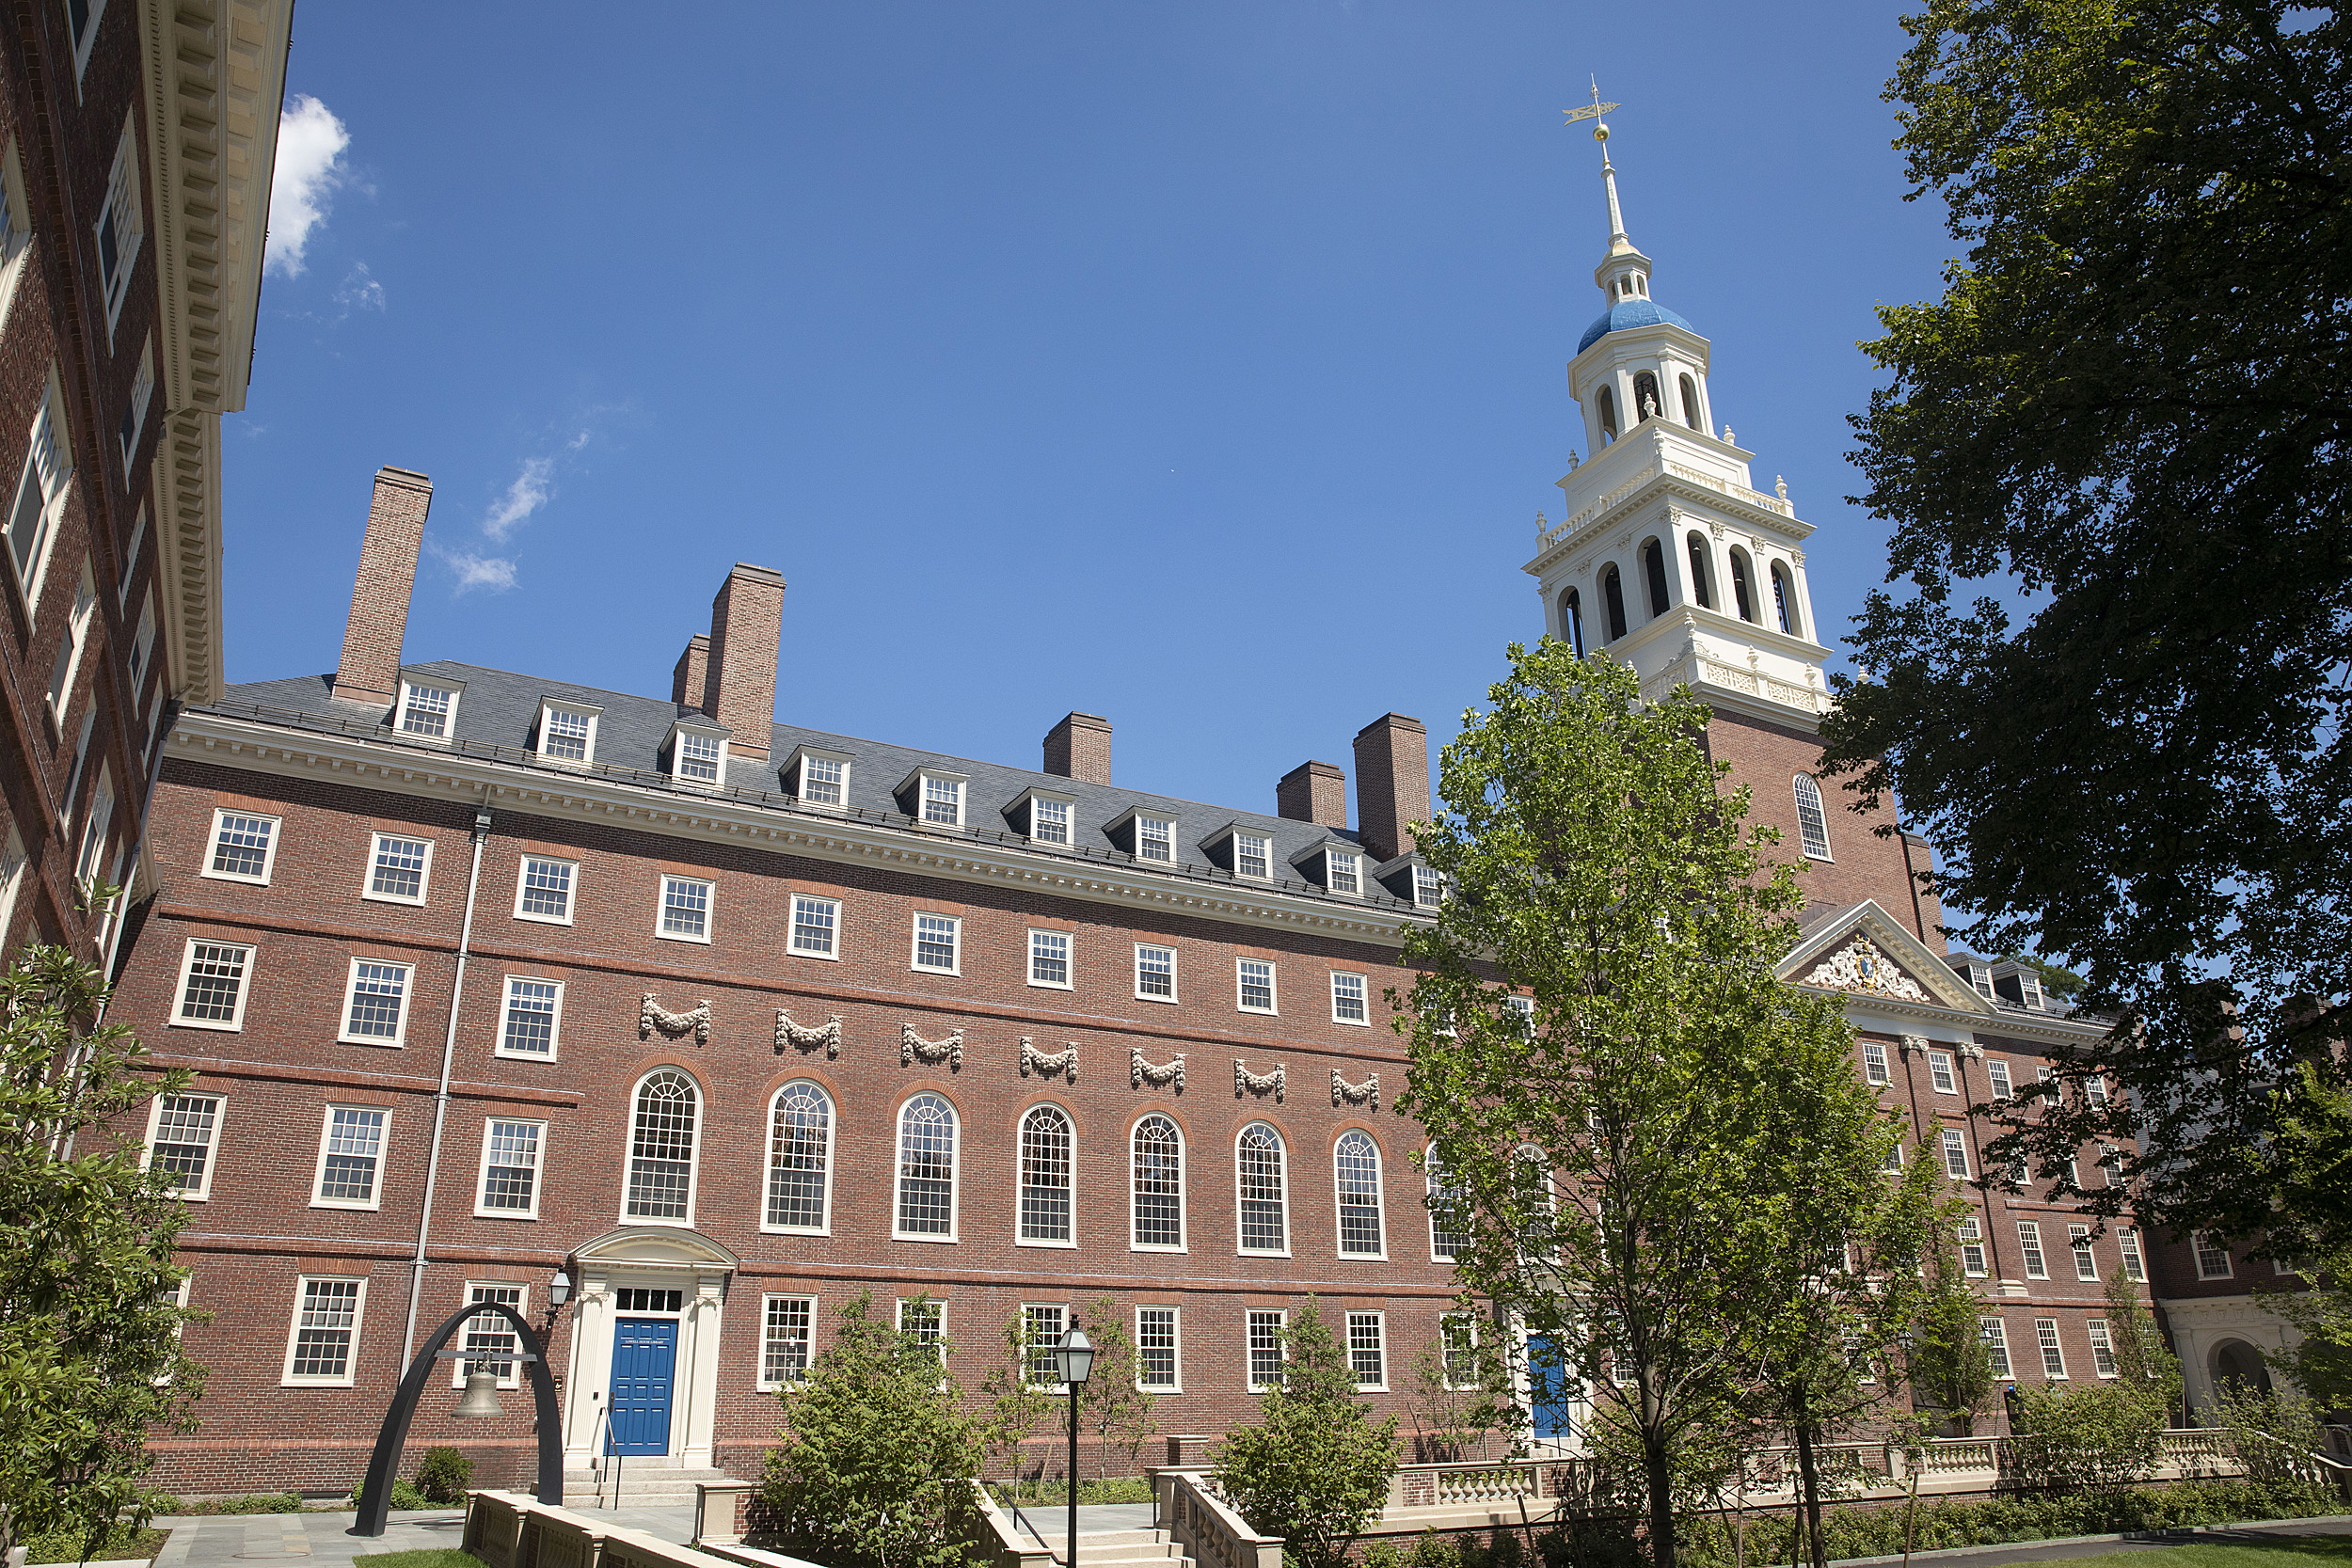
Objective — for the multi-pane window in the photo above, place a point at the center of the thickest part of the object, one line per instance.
(1253, 855)
(350, 1149)
(1264, 1209)
(39, 495)
(186, 1127)
(2095, 1089)
(211, 986)
(2029, 1242)
(120, 227)
(1458, 1339)
(2046, 1333)
(1999, 1073)
(800, 1158)
(936, 939)
(1895, 1154)
(534, 1008)
(377, 1011)
(1349, 1004)
(1156, 838)
(1522, 1015)
(685, 908)
(134, 409)
(396, 867)
(815, 926)
(427, 710)
(926, 1319)
(1340, 873)
(490, 1341)
(2212, 1257)
(545, 890)
(325, 1326)
(2102, 1347)
(2135, 1266)
(783, 1341)
(243, 845)
(1367, 1352)
(943, 800)
(1266, 1351)
(1447, 1235)
(1044, 1326)
(1972, 1248)
(661, 1149)
(821, 780)
(926, 1167)
(1955, 1154)
(510, 1166)
(1156, 1367)
(1156, 973)
(567, 735)
(2086, 1265)
(1874, 1062)
(1049, 959)
(696, 757)
(1429, 887)
(1045, 1155)
(1254, 984)
(1940, 1073)
(1996, 1335)
(1812, 821)
(1157, 1184)
(1049, 820)
(1356, 1167)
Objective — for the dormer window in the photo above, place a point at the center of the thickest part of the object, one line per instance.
(1253, 855)
(1047, 816)
(817, 778)
(698, 754)
(1341, 870)
(933, 796)
(1156, 838)
(567, 731)
(1429, 887)
(429, 708)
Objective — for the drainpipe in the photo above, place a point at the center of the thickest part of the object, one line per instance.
(440, 1097)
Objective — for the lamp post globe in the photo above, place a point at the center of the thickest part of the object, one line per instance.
(559, 1289)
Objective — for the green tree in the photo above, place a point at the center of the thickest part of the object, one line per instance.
(1628, 1161)
(878, 1457)
(1951, 1366)
(2097, 1437)
(1460, 1390)
(2115, 457)
(1018, 1398)
(2142, 1361)
(1112, 1406)
(2321, 1364)
(90, 1358)
(1314, 1470)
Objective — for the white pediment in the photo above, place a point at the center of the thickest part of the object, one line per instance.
(1868, 953)
(655, 1246)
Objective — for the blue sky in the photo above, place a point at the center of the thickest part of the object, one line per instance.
(1199, 365)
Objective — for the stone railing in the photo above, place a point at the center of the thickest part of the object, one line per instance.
(1210, 1533)
(511, 1529)
(1472, 1484)
(1647, 472)
(1954, 1455)
(1001, 1541)
(1737, 492)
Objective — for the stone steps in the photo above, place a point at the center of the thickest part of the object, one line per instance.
(646, 1482)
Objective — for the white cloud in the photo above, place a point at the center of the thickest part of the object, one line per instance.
(361, 290)
(476, 571)
(311, 143)
(524, 497)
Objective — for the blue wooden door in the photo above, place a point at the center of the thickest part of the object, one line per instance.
(644, 1364)
(1549, 1386)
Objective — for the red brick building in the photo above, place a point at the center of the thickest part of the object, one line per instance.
(135, 147)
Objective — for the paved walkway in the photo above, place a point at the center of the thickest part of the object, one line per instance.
(217, 1541)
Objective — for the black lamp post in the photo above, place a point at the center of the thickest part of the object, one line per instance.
(1074, 1360)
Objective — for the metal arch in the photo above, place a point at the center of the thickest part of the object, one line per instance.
(376, 1494)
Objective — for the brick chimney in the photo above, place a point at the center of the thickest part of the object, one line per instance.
(1080, 747)
(692, 673)
(1392, 783)
(746, 634)
(370, 671)
(1313, 792)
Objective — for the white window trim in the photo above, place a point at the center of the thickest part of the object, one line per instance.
(914, 942)
(269, 856)
(594, 715)
(1997, 1075)
(1231, 835)
(1058, 1389)
(351, 989)
(1274, 985)
(1029, 798)
(142, 398)
(202, 1190)
(760, 1380)
(1069, 958)
(955, 1178)
(1347, 1334)
(1876, 1070)
(1970, 1233)
(2079, 1242)
(1420, 872)
(2135, 1261)
(1332, 853)
(1999, 1335)
(1238, 1231)
(367, 877)
(1950, 1073)
(1445, 1374)
(693, 1152)
(1175, 977)
(21, 226)
(2058, 1344)
(767, 1161)
(245, 986)
(128, 167)
(1177, 1323)
(792, 934)
(50, 410)
(918, 783)
(1944, 1143)
(1132, 819)
(796, 768)
(2096, 1329)
(571, 891)
(514, 1378)
(662, 906)
(2028, 1251)
(1249, 1352)
(538, 1175)
(383, 1158)
(1430, 1170)
(456, 691)
(293, 1332)
(1070, 1128)
(684, 727)
(1364, 1022)
(2196, 1244)
(1184, 1187)
(80, 621)
(1380, 1203)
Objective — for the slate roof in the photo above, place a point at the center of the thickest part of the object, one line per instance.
(500, 708)
(1628, 314)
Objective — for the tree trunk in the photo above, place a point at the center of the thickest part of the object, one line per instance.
(1661, 1502)
(1809, 1492)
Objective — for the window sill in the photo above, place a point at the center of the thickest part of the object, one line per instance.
(231, 1027)
(1254, 1252)
(926, 969)
(805, 952)
(543, 919)
(213, 875)
(501, 1054)
(681, 936)
(1353, 1023)
(314, 1383)
(1063, 1246)
(376, 1040)
(1051, 984)
(346, 1205)
(766, 1229)
(1164, 1001)
(1154, 1247)
(1260, 1012)
(371, 897)
(504, 1215)
(934, 1240)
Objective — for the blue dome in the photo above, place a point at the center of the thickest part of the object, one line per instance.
(1633, 312)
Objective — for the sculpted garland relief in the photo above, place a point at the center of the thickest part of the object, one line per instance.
(1863, 968)
(1141, 1073)
(912, 1047)
(1366, 1093)
(1245, 1081)
(808, 1039)
(651, 1015)
(1064, 1061)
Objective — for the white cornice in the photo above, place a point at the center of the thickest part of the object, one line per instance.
(1737, 505)
(286, 751)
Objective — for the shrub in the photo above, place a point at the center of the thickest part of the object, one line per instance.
(259, 1502)
(121, 1540)
(2093, 1437)
(405, 1495)
(445, 1475)
(1315, 1469)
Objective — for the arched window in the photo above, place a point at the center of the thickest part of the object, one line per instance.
(1644, 396)
(926, 1167)
(1613, 595)
(1690, 403)
(1045, 1174)
(1448, 1232)
(1265, 1200)
(1783, 601)
(661, 1149)
(1607, 400)
(1356, 1170)
(1157, 1184)
(1742, 597)
(1654, 569)
(1699, 589)
(1572, 621)
(1812, 822)
(799, 1157)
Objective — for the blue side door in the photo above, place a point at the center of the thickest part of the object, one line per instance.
(1549, 1386)
(645, 1365)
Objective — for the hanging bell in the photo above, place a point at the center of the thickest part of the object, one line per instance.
(482, 1396)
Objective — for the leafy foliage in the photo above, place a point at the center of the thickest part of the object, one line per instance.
(1951, 1366)
(1314, 1470)
(1460, 1393)
(444, 1474)
(878, 1457)
(2143, 1363)
(91, 1360)
(1017, 1401)
(2321, 1364)
(2273, 1436)
(2091, 1437)
(1120, 1415)
(2129, 414)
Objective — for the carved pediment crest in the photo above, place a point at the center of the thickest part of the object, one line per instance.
(1860, 968)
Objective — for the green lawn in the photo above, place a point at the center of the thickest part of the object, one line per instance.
(435, 1556)
(2282, 1551)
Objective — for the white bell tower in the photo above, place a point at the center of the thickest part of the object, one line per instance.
(1668, 557)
